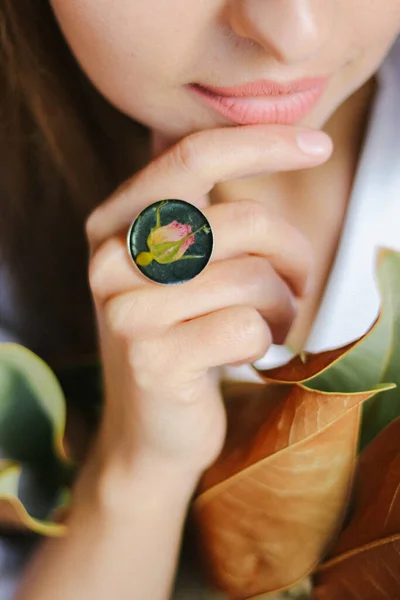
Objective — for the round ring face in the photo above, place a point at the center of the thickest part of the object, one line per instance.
(170, 241)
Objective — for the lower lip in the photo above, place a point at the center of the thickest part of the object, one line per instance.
(283, 110)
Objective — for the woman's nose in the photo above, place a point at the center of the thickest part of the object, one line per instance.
(292, 30)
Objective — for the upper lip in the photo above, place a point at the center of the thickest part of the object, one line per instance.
(265, 87)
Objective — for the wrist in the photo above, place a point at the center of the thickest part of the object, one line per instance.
(148, 483)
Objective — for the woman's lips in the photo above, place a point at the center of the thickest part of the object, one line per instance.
(263, 101)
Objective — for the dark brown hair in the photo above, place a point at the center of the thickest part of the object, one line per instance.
(63, 150)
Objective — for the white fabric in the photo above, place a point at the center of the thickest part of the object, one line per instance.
(351, 301)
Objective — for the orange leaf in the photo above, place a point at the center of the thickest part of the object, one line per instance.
(270, 506)
(308, 364)
(365, 561)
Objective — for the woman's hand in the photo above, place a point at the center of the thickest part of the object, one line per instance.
(164, 421)
(159, 344)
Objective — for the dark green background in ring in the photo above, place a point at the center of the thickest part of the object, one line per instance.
(181, 270)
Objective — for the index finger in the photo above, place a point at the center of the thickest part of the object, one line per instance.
(193, 166)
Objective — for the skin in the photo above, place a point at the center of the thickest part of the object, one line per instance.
(141, 55)
(164, 421)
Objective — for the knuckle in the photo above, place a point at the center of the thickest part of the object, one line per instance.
(96, 281)
(187, 154)
(252, 331)
(97, 268)
(123, 317)
(258, 274)
(144, 360)
(254, 215)
(262, 343)
(150, 358)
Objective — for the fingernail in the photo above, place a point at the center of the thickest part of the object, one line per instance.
(316, 143)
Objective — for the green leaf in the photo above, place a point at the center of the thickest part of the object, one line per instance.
(360, 365)
(30, 397)
(13, 512)
(376, 358)
(34, 467)
(382, 410)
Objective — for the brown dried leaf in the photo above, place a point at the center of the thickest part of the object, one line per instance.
(304, 366)
(307, 365)
(271, 505)
(365, 561)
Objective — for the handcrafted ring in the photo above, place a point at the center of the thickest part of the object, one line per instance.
(170, 241)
